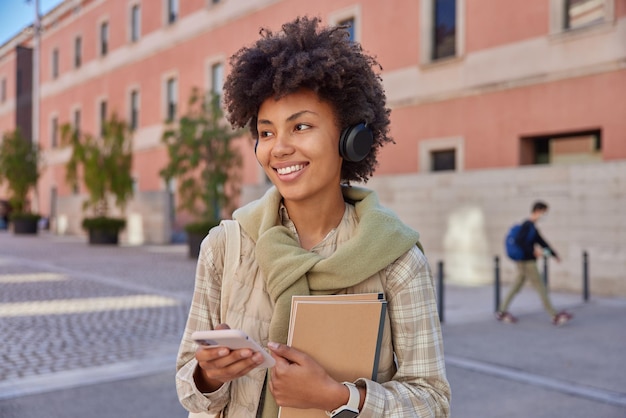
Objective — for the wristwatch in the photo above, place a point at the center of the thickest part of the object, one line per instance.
(351, 409)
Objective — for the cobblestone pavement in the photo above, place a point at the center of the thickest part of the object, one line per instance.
(73, 314)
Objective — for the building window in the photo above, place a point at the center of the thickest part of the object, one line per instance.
(443, 160)
(562, 148)
(217, 78)
(349, 23)
(172, 11)
(103, 116)
(135, 23)
(104, 39)
(78, 52)
(441, 29)
(55, 63)
(53, 202)
(444, 30)
(350, 18)
(570, 15)
(581, 13)
(54, 132)
(134, 110)
(171, 99)
(3, 90)
(441, 154)
(77, 121)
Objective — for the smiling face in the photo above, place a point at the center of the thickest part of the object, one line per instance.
(298, 147)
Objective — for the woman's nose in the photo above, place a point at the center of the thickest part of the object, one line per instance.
(282, 145)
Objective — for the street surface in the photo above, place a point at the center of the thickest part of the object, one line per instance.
(93, 332)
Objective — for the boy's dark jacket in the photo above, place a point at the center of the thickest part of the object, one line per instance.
(528, 245)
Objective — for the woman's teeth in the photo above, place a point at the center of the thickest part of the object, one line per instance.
(290, 169)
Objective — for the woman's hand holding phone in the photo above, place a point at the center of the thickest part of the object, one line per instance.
(224, 355)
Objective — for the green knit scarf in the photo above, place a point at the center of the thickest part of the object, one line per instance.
(289, 269)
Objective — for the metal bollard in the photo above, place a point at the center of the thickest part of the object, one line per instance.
(585, 276)
(440, 290)
(496, 290)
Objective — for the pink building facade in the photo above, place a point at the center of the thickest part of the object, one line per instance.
(473, 85)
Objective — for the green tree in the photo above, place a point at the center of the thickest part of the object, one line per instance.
(203, 160)
(104, 162)
(19, 169)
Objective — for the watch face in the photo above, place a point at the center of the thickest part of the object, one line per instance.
(345, 413)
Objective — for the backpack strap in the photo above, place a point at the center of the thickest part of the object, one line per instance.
(233, 247)
(232, 252)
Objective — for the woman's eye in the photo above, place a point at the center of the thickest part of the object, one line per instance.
(302, 127)
(264, 134)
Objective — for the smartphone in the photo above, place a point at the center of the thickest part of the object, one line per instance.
(233, 339)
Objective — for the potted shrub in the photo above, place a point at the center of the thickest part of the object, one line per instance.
(19, 169)
(204, 164)
(104, 165)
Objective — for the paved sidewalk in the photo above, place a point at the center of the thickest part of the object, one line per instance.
(532, 368)
(93, 331)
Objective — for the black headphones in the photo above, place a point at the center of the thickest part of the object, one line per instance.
(356, 142)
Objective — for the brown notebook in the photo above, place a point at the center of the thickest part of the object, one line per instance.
(342, 332)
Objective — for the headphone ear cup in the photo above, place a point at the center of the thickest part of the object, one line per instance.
(356, 142)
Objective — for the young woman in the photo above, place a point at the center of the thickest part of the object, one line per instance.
(317, 109)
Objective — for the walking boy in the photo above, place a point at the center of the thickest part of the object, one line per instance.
(527, 239)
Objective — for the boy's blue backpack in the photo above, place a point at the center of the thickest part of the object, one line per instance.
(513, 249)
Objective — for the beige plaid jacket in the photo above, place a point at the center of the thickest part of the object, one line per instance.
(417, 387)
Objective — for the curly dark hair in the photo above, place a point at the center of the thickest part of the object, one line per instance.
(322, 59)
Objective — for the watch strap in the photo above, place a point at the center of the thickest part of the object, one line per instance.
(355, 396)
(353, 402)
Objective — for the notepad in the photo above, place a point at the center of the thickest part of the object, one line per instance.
(341, 332)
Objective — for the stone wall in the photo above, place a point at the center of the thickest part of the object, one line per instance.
(463, 218)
